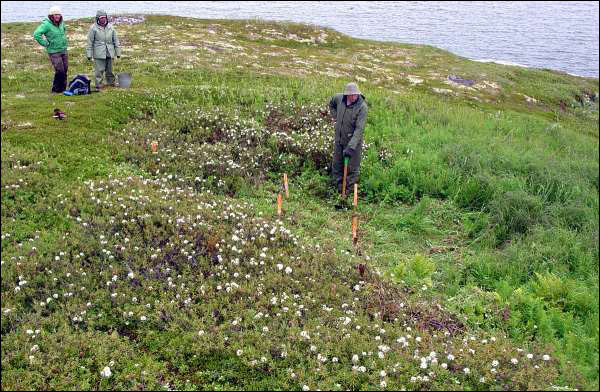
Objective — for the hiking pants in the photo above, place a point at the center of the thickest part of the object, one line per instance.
(60, 62)
(101, 66)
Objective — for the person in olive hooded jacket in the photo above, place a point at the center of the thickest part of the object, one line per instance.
(55, 42)
(349, 110)
(103, 46)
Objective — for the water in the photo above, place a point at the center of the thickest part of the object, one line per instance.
(545, 34)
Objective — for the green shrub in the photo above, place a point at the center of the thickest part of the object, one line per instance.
(416, 271)
(475, 193)
(515, 213)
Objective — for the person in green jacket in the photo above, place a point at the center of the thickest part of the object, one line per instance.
(55, 42)
(349, 110)
(103, 46)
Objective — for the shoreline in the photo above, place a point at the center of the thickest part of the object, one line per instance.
(379, 40)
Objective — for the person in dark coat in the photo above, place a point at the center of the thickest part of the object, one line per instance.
(349, 110)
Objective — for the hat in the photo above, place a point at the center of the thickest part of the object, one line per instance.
(351, 89)
(54, 10)
(100, 13)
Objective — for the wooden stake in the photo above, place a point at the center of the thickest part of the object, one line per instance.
(279, 203)
(355, 195)
(154, 147)
(333, 289)
(355, 229)
(285, 185)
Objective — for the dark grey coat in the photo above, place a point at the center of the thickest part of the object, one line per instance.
(350, 121)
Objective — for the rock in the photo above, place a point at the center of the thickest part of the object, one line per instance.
(528, 98)
(442, 90)
(128, 20)
(414, 79)
(461, 81)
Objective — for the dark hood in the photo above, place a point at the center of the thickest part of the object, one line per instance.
(359, 101)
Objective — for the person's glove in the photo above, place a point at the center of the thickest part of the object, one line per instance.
(349, 152)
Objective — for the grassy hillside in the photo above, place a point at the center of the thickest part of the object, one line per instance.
(477, 263)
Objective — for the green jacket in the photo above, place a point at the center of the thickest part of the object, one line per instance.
(103, 42)
(56, 36)
(350, 120)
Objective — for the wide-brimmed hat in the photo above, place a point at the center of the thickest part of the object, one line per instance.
(54, 10)
(352, 89)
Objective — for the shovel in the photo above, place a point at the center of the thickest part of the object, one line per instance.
(346, 161)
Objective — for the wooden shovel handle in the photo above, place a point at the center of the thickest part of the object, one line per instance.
(345, 177)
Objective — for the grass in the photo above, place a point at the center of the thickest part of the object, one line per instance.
(478, 255)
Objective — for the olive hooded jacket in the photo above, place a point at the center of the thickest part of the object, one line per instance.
(350, 120)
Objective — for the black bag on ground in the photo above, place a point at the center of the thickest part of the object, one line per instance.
(80, 85)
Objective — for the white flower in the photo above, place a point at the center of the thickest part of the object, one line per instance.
(546, 357)
(288, 270)
(450, 357)
(106, 372)
(529, 356)
(444, 365)
(514, 361)
(305, 388)
(200, 333)
(495, 363)
(382, 373)
(34, 348)
(381, 355)
(239, 352)
(383, 384)
(355, 358)
(362, 369)
(467, 370)
(143, 318)
(279, 267)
